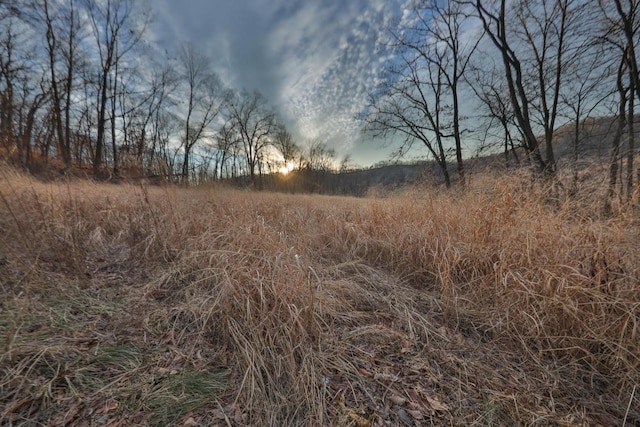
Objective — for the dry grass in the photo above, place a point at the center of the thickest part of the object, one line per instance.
(502, 305)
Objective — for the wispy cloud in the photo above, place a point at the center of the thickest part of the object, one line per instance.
(315, 60)
(328, 72)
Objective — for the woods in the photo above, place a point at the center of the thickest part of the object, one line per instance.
(83, 86)
(526, 68)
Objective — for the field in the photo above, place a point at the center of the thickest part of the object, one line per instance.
(128, 305)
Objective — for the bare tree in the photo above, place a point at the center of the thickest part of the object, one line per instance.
(320, 157)
(623, 23)
(145, 124)
(490, 89)
(204, 99)
(10, 68)
(23, 91)
(586, 88)
(285, 144)
(62, 25)
(256, 124)
(533, 53)
(442, 25)
(117, 27)
(617, 137)
(420, 99)
(226, 140)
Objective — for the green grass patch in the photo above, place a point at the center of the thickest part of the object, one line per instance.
(187, 390)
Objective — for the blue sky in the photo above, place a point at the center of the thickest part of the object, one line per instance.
(315, 60)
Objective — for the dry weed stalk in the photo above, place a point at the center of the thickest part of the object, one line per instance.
(504, 304)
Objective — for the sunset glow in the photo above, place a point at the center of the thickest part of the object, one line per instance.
(287, 168)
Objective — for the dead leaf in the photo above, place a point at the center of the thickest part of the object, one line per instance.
(416, 415)
(415, 406)
(364, 372)
(385, 377)
(398, 400)
(189, 422)
(108, 407)
(436, 405)
(356, 418)
(405, 417)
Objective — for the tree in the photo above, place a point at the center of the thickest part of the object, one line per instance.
(147, 122)
(320, 157)
(204, 99)
(284, 143)
(533, 81)
(23, 91)
(346, 164)
(623, 23)
(615, 144)
(117, 27)
(444, 28)
(420, 98)
(401, 108)
(256, 124)
(10, 69)
(62, 28)
(586, 89)
(227, 141)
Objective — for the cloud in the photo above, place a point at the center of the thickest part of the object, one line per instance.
(332, 66)
(315, 60)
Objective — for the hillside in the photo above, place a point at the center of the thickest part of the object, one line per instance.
(593, 149)
(129, 305)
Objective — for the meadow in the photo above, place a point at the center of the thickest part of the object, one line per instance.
(501, 304)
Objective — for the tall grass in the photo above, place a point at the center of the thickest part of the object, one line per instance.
(502, 304)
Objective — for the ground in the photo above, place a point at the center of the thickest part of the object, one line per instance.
(136, 305)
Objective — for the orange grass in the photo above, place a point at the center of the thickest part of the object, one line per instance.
(505, 304)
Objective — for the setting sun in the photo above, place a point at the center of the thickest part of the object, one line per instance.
(287, 168)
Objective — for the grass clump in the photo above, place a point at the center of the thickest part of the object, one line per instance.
(180, 393)
(503, 304)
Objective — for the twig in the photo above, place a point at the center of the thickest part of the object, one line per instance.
(626, 414)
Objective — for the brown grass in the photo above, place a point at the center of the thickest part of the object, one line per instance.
(129, 305)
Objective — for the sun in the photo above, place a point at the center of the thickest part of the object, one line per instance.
(287, 168)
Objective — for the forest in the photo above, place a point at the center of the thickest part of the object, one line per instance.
(84, 87)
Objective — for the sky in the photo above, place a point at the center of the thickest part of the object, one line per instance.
(316, 61)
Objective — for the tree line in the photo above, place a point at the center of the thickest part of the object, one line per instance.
(82, 87)
(522, 69)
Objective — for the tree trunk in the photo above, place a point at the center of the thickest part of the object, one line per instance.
(615, 145)
(630, 146)
(97, 161)
(114, 144)
(57, 112)
(69, 81)
(456, 131)
(185, 164)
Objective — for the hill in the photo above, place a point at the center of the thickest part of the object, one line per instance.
(591, 149)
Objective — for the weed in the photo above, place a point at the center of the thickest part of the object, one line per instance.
(502, 304)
